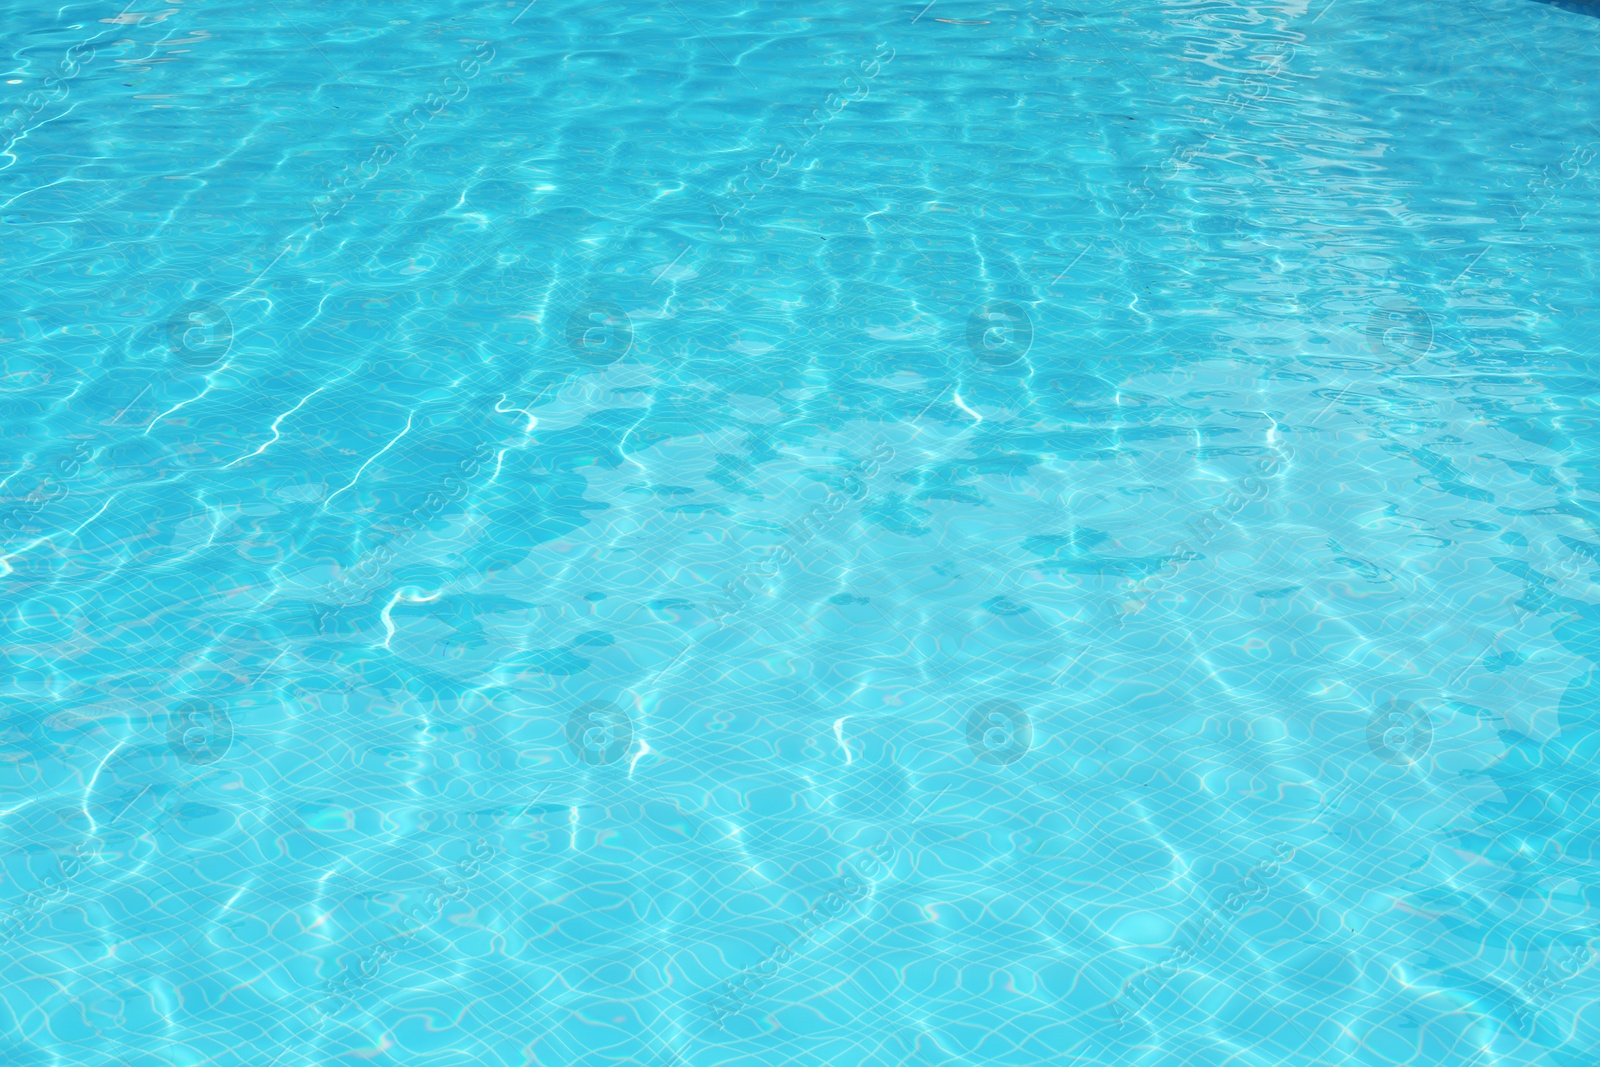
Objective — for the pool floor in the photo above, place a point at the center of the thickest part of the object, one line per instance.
(696, 534)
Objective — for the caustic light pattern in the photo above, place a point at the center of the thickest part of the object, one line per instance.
(695, 534)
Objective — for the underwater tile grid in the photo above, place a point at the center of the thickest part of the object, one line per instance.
(693, 533)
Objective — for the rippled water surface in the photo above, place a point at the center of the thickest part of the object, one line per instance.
(698, 533)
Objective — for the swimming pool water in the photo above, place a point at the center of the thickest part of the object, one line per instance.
(699, 533)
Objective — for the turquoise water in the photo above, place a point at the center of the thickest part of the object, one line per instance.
(698, 533)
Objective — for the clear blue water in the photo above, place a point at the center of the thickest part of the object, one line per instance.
(705, 533)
